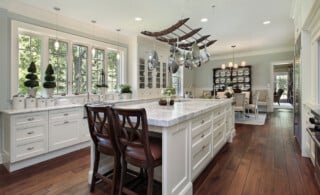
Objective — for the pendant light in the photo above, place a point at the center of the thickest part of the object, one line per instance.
(56, 43)
(232, 64)
(118, 54)
(93, 50)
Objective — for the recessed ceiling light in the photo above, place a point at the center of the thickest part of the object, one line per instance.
(137, 19)
(204, 20)
(267, 22)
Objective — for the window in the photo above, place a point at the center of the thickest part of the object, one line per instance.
(79, 69)
(59, 61)
(112, 68)
(177, 79)
(282, 83)
(97, 66)
(29, 51)
(70, 62)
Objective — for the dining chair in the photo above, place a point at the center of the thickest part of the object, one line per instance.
(254, 106)
(100, 121)
(239, 105)
(137, 147)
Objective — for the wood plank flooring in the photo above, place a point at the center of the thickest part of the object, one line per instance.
(261, 160)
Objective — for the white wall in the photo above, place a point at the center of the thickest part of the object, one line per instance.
(261, 70)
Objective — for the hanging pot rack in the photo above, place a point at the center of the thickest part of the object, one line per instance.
(184, 39)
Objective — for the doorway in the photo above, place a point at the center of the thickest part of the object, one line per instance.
(283, 86)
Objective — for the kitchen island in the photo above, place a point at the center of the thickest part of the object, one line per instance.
(192, 131)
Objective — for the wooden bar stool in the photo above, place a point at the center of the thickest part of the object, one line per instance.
(102, 134)
(137, 147)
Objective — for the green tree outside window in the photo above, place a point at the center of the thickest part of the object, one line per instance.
(29, 50)
(112, 71)
(97, 65)
(79, 69)
(58, 59)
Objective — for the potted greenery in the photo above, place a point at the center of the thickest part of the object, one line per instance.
(32, 80)
(49, 83)
(125, 91)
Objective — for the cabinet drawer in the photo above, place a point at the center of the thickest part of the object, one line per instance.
(218, 112)
(24, 119)
(200, 149)
(29, 150)
(218, 121)
(30, 132)
(200, 132)
(218, 134)
(201, 155)
(65, 113)
(201, 120)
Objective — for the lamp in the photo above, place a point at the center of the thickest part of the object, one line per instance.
(93, 50)
(232, 64)
(118, 54)
(56, 43)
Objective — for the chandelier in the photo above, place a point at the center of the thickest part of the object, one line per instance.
(233, 64)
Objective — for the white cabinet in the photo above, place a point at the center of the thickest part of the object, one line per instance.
(32, 137)
(84, 130)
(25, 135)
(201, 143)
(64, 128)
(219, 129)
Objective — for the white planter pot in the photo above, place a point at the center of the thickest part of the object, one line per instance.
(18, 103)
(50, 102)
(30, 102)
(41, 102)
(49, 92)
(32, 92)
(126, 96)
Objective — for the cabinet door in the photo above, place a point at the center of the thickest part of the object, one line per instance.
(84, 133)
(63, 133)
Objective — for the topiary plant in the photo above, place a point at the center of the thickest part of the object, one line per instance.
(31, 77)
(49, 78)
(125, 88)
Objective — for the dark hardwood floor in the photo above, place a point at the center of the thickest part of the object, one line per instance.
(261, 160)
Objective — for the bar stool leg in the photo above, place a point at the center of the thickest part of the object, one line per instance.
(150, 180)
(95, 169)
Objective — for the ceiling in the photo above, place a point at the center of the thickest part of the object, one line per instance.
(231, 22)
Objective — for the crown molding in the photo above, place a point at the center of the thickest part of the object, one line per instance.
(255, 53)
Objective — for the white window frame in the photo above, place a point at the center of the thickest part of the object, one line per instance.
(45, 34)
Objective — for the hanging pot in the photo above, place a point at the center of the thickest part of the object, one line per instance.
(188, 61)
(153, 60)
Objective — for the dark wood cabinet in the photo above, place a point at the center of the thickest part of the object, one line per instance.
(237, 78)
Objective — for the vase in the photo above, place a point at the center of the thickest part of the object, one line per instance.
(126, 96)
(49, 92)
(32, 91)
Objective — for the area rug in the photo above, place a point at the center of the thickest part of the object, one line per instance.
(250, 119)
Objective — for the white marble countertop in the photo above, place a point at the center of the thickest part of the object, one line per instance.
(37, 109)
(165, 116)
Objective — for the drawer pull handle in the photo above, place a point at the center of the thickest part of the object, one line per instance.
(202, 121)
(202, 135)
(30, 148)
(66, 122)
(30, 132)
(203, 147)
(66, 114)
(30, 119)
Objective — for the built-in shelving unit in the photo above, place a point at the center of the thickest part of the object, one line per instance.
(237, 78)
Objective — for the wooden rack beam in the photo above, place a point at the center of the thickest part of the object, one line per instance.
(166, 31)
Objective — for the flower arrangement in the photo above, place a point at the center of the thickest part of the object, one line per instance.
(229, 92)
